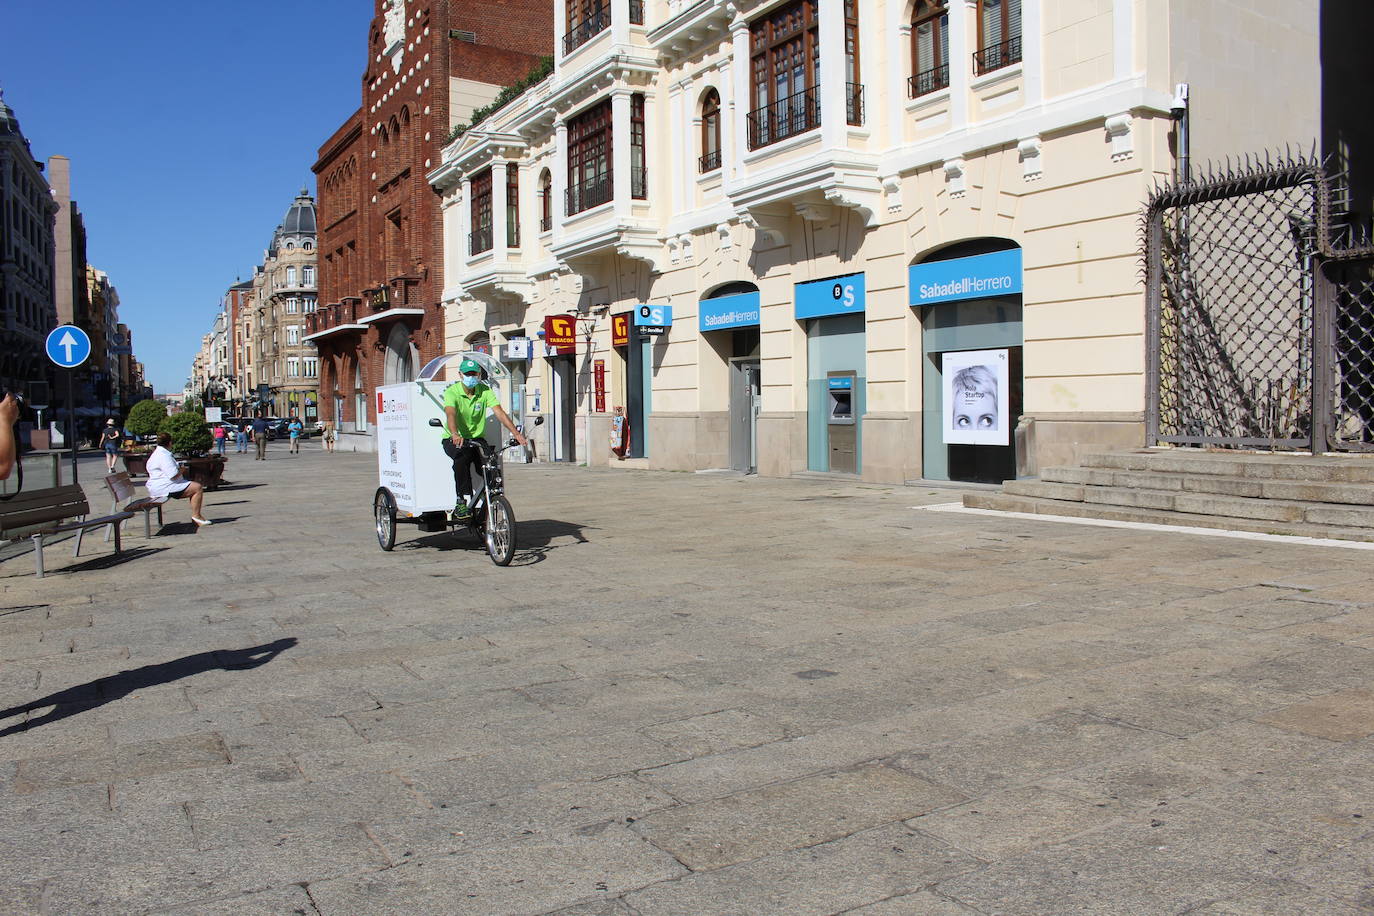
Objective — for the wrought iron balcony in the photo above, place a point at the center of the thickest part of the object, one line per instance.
(583, 32)
(854, 103)
(995, 57)
(479, 240)
(928, 81)
(787, 117)
(545, 223)
(709, 162)
(584, 195)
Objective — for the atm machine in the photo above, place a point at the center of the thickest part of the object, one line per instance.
(840, 425)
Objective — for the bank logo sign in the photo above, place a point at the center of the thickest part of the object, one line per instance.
(653, 316)
(983, 275)
(737, 311)
(837, 296)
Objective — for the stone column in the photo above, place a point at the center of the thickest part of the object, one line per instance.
(1123, 39)
(832, 76)
(741, 103)
(620, 150)
(1032, 46)
(498, 209)
(962, 43)
(558, 207)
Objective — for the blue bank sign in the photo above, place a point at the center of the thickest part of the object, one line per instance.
(996, 274)
(838, 296)
(738, 311)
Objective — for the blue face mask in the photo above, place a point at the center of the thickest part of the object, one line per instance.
(470, 381)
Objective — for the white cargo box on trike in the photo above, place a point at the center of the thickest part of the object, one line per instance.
(415, 475)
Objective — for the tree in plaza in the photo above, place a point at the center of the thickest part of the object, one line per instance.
(193, 405)
(144, 418)
(189, 431)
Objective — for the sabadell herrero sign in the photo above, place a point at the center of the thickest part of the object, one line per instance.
(995, 274)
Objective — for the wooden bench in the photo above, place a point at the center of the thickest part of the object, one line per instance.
(122, 489)
(38, 514)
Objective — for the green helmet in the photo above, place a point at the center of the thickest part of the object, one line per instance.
(469, 365)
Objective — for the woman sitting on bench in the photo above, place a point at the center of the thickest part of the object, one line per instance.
(164, 479)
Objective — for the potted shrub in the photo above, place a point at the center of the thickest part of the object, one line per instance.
(142, 423)
(191, 442)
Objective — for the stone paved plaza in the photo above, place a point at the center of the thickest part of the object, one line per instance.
(690, 694)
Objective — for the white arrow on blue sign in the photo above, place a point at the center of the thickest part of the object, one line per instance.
(68, 346)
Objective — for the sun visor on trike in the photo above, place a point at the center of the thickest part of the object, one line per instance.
(492, 370)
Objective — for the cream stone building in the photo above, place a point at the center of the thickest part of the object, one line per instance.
(777, 232)
(284, 290)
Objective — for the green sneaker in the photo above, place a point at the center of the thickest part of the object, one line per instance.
(461, 510)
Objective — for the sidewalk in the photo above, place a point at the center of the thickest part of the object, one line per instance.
(689, 694)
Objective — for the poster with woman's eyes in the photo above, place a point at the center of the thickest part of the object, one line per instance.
(975, 390)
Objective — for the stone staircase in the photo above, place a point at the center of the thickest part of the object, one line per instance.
(1305, 495)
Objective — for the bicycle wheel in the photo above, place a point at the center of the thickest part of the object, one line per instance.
(500, 531)
(384, 511)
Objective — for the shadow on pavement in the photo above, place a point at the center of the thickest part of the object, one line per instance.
(169, 529)
(226, 488)
(534, 539)
(97, 693)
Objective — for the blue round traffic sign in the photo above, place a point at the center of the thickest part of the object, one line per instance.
(68, 346)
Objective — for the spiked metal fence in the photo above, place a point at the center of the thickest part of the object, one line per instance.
(1260, 313)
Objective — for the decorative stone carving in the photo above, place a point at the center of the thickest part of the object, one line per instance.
(727, 240)
(684, 242)
(892, 193)
(955, 182)
(1031, 165)
(1120, 137)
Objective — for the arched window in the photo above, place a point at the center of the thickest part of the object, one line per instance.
(545, 201)
(929, 47)
(710, 132)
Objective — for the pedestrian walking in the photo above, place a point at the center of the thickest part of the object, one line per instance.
(109, 441)
(241, 437)
(221, 435)
(293, 429)
(329, 435)
(260, 437)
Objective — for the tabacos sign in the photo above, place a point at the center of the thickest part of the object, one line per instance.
(977, 277)
(560, 334)
(620, 329)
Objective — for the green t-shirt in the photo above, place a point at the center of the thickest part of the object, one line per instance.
(470, 408)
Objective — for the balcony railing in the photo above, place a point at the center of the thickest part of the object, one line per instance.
(928, 81)
(331, 316)
(581, 33)
(787, 117)
(545, 223)
(512, 233)
(479, 240)
(995, 57)
(709, 162)
(639, 182)
(636, 12)
(854, 103)
(590, 193)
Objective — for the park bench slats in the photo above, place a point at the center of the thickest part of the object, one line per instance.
(35, 514)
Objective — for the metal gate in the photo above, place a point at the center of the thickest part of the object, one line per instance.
(1260, 320)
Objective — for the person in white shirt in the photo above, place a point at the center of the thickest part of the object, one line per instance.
(164, 480)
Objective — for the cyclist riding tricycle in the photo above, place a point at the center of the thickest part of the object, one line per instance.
(430, 432)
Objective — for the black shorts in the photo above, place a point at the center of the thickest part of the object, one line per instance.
(180, 494)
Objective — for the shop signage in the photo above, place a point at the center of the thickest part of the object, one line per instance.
(620, 329)
(737, 311)
(977, 277)
(599, 379)
(653, 319)
(836, 296)
(560, 334)
(518, 348)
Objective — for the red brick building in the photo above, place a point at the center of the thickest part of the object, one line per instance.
(429, 64)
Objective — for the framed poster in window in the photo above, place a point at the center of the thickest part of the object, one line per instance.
(975, 397)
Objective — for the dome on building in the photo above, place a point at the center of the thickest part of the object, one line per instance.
(300, 219)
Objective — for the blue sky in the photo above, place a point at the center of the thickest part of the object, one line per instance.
(190, 128)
